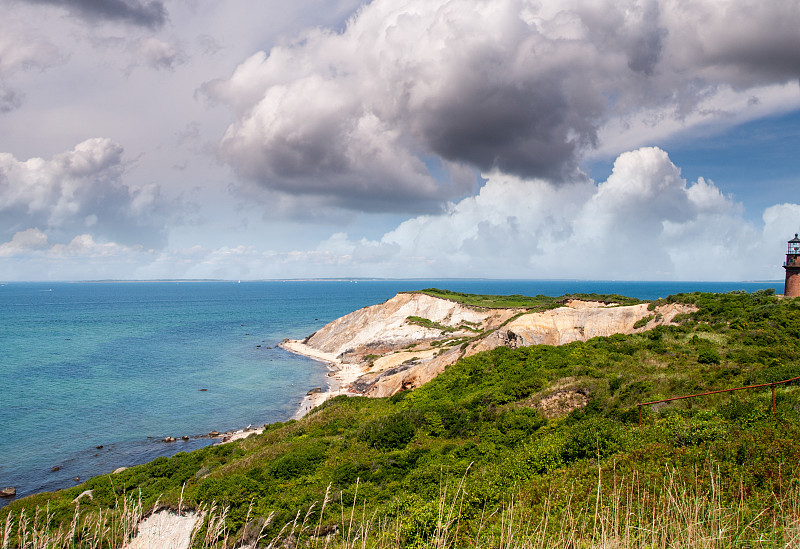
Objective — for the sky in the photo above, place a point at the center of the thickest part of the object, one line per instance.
(264, 139)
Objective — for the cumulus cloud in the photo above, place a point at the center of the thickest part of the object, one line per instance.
(644, 222)
(520, 87)
(78, 189)
(24, 242)
(83, 246)
(29, 255)
(150, 14)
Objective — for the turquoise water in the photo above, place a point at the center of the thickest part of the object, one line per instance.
(121, 365)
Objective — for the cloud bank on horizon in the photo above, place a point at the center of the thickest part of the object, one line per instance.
(421, 139)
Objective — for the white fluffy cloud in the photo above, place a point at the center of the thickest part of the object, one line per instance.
(644, 222)
(512, 86)
(76, 190)
(30, 256)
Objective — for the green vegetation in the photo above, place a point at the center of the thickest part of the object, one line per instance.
(428, 323)
(539, 302)
(476, 456)
(642, 322)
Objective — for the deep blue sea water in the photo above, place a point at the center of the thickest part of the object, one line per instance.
(121, 364)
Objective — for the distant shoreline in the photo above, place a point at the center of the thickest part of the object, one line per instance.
(378, 279)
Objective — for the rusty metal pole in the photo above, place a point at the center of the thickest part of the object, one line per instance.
(760, 385)
(773, 399)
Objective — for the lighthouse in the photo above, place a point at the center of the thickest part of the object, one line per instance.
(792, 266)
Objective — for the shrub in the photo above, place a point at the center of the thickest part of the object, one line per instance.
(708, 356)
(388, 433)
(301, 462)
(594, 437)
(642, 322)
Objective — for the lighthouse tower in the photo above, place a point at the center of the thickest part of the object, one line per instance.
(792, 266)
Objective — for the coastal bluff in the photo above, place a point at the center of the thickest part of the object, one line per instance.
(408, 340)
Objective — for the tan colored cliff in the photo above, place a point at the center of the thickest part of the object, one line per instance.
(382, 328)
(378, 351)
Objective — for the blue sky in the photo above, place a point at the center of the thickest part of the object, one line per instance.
(423, 138)
(757, 162)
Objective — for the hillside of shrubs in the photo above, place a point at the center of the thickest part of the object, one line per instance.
(532, 447)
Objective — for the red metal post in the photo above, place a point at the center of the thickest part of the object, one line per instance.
(771, 385)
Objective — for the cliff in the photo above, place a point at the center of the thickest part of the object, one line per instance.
(408, 340)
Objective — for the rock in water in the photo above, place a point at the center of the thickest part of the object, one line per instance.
(8, 492)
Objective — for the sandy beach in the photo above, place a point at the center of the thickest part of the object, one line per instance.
(340, 378)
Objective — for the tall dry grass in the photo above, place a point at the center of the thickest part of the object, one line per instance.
(621, 513)
(87, 530)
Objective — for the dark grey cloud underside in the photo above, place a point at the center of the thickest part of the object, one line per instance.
(531, 129)
(151, 14)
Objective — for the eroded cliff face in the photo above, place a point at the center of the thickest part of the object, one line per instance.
(411, 338)
(576, 322)
(386, 327)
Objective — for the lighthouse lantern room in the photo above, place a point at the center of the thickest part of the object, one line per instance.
(792, 266)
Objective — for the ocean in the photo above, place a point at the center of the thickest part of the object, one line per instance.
(93, 375)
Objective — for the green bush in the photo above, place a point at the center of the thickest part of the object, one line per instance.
(642, 322)
(708, 356)
(594, 437)
(388, 433)
(301, 462)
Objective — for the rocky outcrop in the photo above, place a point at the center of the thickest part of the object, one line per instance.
(411, 338)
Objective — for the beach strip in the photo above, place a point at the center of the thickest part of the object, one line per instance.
(340, 378)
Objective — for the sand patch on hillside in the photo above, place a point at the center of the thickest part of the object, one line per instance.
(165, 530)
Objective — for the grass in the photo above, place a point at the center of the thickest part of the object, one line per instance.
(624, 512)
(539, 302)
